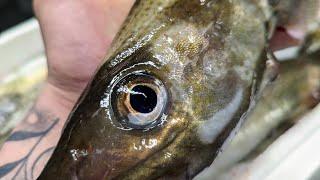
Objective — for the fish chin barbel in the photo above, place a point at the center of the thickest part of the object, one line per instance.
(177, 80)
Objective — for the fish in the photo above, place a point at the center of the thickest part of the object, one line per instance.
(292, 94)
(311, 43)
(297, 17)
(179, 77)
(295, 92)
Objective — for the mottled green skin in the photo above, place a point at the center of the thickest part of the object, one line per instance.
(208, 55)
(298, 13)
(298, 16)
(294, 93)
(311, 45)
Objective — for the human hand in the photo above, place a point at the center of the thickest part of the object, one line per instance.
(77, 34)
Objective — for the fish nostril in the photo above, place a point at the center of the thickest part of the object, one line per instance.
(143, 99)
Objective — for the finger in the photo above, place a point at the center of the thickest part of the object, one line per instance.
(117, 10)
(77, 35)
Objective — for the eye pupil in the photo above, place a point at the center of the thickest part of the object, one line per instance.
(143, 99)
(137, 101)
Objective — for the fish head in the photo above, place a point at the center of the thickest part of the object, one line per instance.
(299, 18)
(168, 94)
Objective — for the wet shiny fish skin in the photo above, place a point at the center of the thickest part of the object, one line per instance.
(312, 42)
(206, 55)
(298, 17)
(291, 95)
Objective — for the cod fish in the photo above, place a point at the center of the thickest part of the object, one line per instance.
(290, 96)
(179, 77)
(294, 93)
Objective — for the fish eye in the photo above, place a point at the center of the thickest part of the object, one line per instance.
(143, 99)
(139, 101)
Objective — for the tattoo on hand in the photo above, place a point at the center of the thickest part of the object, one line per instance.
(35, 129)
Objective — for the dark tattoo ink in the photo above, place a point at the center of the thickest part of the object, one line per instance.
(4, 170)
(45, 124)
(44, 153)
(23, 135)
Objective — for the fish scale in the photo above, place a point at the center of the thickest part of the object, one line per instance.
(173, 48)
